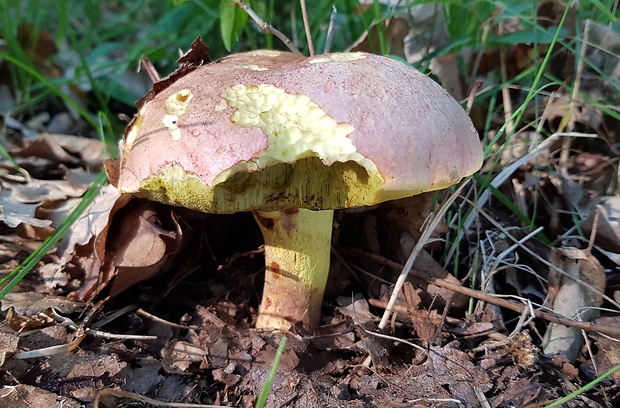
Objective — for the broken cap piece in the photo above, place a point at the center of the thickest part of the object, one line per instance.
(293, 138)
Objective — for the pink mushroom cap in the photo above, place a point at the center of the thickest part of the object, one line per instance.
(266, 130)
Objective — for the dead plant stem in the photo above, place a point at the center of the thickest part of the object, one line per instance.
(485, 297)
(266, 27)
(330, 31)
(426, 233)
(304, 15)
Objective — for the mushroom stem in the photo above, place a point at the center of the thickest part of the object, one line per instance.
(297, 255)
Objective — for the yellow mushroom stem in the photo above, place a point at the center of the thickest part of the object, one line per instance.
(297, 255)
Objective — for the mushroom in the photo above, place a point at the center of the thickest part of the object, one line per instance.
(292, 139)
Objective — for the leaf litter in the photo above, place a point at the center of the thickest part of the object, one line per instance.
(160, 302)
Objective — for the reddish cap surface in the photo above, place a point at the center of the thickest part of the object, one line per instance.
(265, 129)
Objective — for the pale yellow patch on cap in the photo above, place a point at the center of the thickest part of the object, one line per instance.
(252, 67)
(296, 128)
(342, 56)
(176, 105)
(264, 53)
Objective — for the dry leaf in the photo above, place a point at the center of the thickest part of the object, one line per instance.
(608, 228)
(395, 29)
(27, 396)
(178, 356)
(573, 299)
(8, 342)
(45, 147)
(135, 246)
(356, 308)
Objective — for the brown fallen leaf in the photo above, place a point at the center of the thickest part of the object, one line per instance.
(45, 147)
(90, 224)
(608, 226)
(179, 356)
(395, 29)
(8, 342)
(356, 308)
(607, 352)
(135, 246)
(41, 203)
(449, 372)
(82, 365)
(13, 212)
(27, 396)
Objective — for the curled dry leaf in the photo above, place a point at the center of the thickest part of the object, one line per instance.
(13, 212)
(45, 147)
(135, 246)
(607, 352)
(90, 224)
(39, 203)
(356, 308)
(608, 227)
(178, 356)
(73, 151)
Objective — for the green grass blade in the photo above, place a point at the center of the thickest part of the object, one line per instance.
(33, 259)
(6, 156)
(584, 388)
(85, 115)
(264, 393)
(520, 111)
(604, 10)
(512, 207)
(376, 6)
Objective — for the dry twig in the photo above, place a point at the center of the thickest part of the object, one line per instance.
(266, 27)
(147, 400)
(485, 297)
(304, 14)
(405, 270)
(330, 31)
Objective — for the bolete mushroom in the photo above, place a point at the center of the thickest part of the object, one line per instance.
(292, 139)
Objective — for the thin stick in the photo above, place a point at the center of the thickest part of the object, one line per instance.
(430, 227)
(147, 400)
(472, 96)
(149, 68)
(266, 27)
(508, 110)
(304, 15)
(50, 351)
(572, 110)
(330, 31)
(578, 77)
(485, 297)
